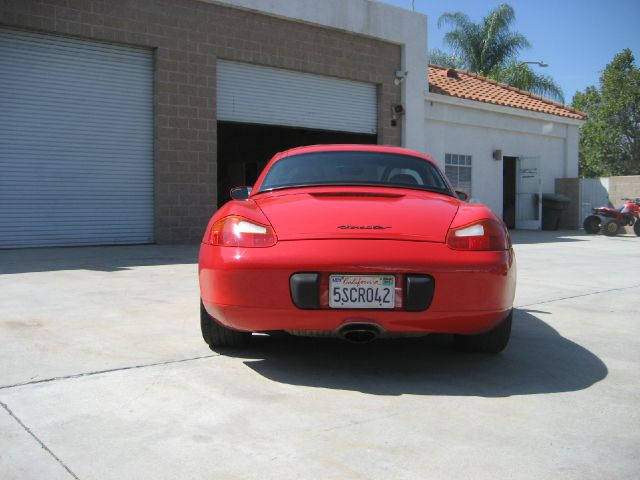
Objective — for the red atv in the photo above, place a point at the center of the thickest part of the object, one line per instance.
(611, 220)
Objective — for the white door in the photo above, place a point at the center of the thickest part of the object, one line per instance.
(76, 142)
(528, 193)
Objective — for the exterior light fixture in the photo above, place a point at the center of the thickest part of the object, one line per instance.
(400, 76)
(396, 111)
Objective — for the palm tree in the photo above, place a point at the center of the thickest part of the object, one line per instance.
(490, 48)
(522, 76)
(444, 59)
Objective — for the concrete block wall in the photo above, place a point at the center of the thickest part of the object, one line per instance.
(627, 186)
(188, 36)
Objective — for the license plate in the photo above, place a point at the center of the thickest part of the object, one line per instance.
(362, 291)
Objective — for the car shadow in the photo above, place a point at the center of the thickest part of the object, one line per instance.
(537, 360)
(103, 259)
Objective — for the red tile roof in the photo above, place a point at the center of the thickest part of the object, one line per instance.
(471, 86)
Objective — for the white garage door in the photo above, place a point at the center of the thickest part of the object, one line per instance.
(76, 142)
(263, 95)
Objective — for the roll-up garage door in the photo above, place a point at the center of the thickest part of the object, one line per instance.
(263, 95)
(76, 142)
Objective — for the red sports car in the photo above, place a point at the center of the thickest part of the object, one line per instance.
(358, 242)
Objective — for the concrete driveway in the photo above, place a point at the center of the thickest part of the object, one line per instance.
(104, 376)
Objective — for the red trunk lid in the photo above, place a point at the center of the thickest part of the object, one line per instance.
(323, 213)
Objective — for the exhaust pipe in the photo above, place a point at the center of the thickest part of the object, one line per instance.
(359, 332)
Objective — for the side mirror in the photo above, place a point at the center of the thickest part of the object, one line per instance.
(240, 193)
(464, 196)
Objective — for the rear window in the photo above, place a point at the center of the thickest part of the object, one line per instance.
(354, 168)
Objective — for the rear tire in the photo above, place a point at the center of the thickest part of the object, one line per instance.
(591, 224)
(215, 335)
(636, 227)
(491, 342)
(611, 228)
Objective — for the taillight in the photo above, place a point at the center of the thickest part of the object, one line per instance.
(236, 231)
(486, 234)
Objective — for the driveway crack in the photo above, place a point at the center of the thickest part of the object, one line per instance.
(110, 370)
(577, 296)
(47, 449)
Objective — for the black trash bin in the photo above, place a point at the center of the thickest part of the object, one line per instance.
(553, 204)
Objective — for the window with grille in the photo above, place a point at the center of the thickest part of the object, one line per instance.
(458, 170)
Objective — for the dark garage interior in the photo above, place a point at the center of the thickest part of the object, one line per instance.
(244, 149)
(509, 191)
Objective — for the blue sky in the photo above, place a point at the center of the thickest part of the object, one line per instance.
(576, 38)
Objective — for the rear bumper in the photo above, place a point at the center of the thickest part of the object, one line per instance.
(248, 289)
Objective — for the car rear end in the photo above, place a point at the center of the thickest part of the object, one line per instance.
(312, 256)
(289, 286)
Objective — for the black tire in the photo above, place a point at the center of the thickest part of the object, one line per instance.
(493, 341)
(215, 335)
(611, 228)
(636, 227)
(591, 224)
